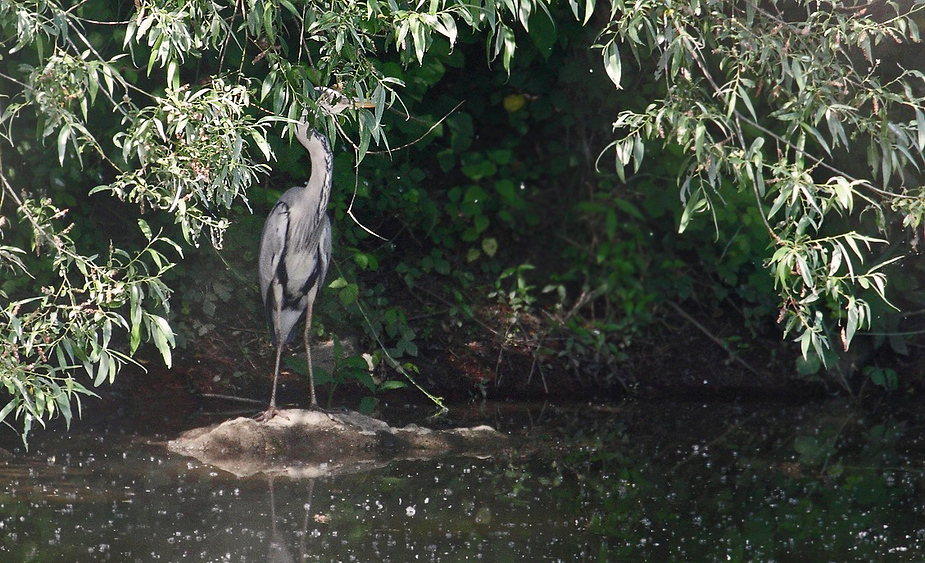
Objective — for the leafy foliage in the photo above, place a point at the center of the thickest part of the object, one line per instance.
(162, 116)
(764, 98)
(184, 146)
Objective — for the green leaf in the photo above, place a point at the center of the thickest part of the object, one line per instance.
(505, 44)
(612, 63)
(818, 136)
(363, 377)
(490, 246)
(480, 169)
(135, 315)
(391, 385)
(163, 337)
(743, 95)
(145, 229)
(543, 32)
(844, 193)
(805, 342)
(349, 293)
(638, 152)
(853, 323)
(261, 141)
(850, 239)
(695, 205)
(587, 10)
(610, 224)
(102, 369)
(321, 376)
(290, 7)
(63, 135)
(446, 26)
(480, 223)
(173, 75)
(368, 404)
(8, 408)
(420, 37)
(920, 129)
(805, 272)
(269, 26)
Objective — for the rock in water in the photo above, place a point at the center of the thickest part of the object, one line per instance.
(303, 443)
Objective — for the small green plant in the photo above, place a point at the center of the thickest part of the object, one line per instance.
(885, 378)
(517, 295)
(348, 369)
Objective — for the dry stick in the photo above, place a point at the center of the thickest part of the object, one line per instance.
(448, 304)
(710, 335)
(221, 63)
(233, 398)
(389, 151)
(537, 343)
(426, 133)
(700, 451)
(356, 187)
(389, 359)
(356, 183)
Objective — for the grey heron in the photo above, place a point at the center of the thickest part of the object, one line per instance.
(295, 247)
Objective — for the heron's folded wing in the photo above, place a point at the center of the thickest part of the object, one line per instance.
(272, 248)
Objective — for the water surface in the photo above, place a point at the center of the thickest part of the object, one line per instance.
(634, 482)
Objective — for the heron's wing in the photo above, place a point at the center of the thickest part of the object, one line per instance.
(272, 254)
(324, 244)
(307, 256)
(272, 247)
(295, 251)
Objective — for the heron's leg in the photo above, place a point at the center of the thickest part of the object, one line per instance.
(271, 411)
(308, 353)
(279, 353)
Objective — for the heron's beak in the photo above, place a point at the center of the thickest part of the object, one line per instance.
(335, 102)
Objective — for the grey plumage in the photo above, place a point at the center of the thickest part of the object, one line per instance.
(295, 248)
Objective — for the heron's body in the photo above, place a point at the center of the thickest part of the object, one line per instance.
(294, 269)
(295, 250)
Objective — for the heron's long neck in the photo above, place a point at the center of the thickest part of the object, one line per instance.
(322, 167)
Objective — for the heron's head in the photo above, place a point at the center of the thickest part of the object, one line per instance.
(331, 102)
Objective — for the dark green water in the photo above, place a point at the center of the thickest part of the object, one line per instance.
(636, 482)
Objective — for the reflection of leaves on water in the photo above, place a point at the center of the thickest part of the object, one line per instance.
(752, 482)
(814, 450)
(639, 482)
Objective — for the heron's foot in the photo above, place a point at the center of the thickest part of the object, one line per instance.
(316, 407)
(269, 414)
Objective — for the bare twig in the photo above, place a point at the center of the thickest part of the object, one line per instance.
(426, 133)
(356, 187)
(232, 398)
(710, 335)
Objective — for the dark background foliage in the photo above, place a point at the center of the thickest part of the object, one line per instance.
(493, 245)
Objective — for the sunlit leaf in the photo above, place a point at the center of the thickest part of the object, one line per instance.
(63, 136)
(612, 64)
